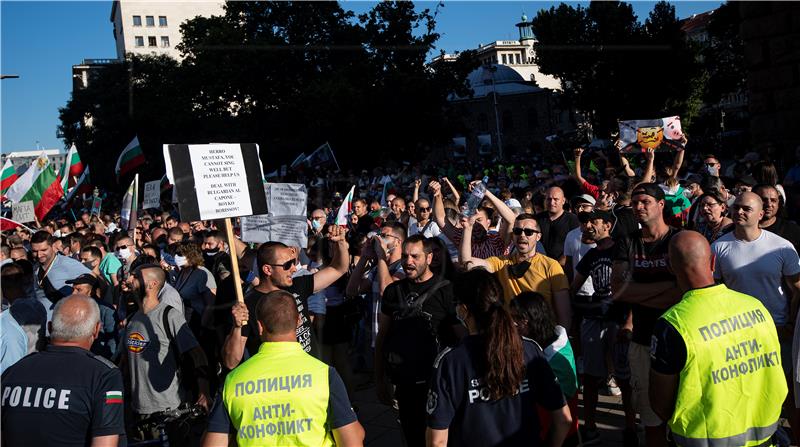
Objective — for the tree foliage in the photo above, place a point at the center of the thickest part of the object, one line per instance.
(286, 75)
(613, 67)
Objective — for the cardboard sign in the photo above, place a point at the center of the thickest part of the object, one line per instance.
(661, 135)
(215, 181)
(23, 212)
(152, 194)
(291, 230)
(97, 204)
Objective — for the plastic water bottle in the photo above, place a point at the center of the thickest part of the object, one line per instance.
(476, 197)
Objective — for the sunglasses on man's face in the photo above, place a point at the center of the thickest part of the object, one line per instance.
(286, 265)
(528, 231)
(121, 247)
(424, 210)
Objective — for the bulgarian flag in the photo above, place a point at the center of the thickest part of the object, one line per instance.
(82, 186)
(346, 208)
(9, 176)
(127, 218)
(8, 224)
(113, 397)
(73, 167)
(131, 157)
(40, 184)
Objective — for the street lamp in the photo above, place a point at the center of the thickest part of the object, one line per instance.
(2, 76)
(492, 69)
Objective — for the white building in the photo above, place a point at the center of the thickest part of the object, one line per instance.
(154, 27)
(22, 159)
(515, 54)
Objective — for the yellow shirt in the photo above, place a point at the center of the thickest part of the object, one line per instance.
(544, 276)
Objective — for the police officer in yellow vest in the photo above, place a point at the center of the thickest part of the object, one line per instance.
(282, 396)
(716, 374)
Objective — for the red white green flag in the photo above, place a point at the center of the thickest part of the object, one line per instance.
(9, 176)
(40, 184)
(131, 157)
(73, 168)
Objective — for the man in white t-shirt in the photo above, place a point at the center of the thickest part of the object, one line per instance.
(424, 224)
(576, 245)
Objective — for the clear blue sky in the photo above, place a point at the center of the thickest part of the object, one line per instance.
(42, 40)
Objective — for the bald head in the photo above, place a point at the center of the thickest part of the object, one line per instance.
(748, 210)
(76, 321)
(691, 261)
(277, 316)
(554, 201)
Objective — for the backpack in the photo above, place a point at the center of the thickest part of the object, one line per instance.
(412, 343)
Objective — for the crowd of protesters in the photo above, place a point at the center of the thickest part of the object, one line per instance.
(481, 299)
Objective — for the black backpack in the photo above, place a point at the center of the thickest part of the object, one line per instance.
(412, 344)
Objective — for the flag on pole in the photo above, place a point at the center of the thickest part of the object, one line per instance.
(321, 156)
(82, 186)
(73, 167)
(39, 184)
(9, 176)
(131, 157)
(346, 208)
(8, 224)
(129, 202)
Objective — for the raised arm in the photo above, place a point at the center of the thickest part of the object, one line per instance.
(456, 195)
(578, 153)
(649, 170)
(341, 260)
(465, 252)
(626, 165)
(415, 197)
(438, 204)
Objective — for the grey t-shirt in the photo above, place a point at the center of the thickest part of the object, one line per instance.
(169, 295)
(152, 359)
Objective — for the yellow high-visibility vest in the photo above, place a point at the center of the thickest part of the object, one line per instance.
(279, 397)
(732, 386)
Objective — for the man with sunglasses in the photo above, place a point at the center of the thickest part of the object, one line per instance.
(425, 224)
(524, 269)
(277, 263)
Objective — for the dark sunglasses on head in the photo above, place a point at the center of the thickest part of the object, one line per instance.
(286, 265)
(527, 231)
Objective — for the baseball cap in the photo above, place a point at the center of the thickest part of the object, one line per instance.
(650, 189)
(85, 278)
(583, 198)
(597, 214)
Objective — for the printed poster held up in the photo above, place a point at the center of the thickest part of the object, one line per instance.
(215, 181)
(286, 221)
(152, 194)
(23, 212)
(661, 135)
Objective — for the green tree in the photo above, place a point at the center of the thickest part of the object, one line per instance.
(613, 67)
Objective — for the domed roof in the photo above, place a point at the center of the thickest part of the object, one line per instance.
(483, 75)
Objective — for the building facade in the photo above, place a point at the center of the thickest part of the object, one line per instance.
(22, 159)
(154, 27)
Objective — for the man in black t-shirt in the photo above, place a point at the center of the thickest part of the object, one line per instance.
(641, 276)
(555, 223)
(438, 307)
(772, 221)
(276, 265)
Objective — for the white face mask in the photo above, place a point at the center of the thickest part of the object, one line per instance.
(180, 261)
(125, 253)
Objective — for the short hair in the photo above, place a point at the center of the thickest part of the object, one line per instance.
(360, 200)
(216, 234)
(526, 216)
(77, 237)
(41, 236)
(397, 228)
(420, 238)
(97, 242)
(5, 249)
(75, 326)
(266, 254)
(175, 232)
(93, 251)
(171, 218)
(277, 312)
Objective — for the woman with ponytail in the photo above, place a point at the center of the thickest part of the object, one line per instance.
(485, 391)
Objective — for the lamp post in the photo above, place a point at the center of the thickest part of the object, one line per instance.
(2, 76)
(492, 69)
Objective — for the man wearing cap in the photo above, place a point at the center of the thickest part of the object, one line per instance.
(641, 277)
(605, 328)
(555, 223)
(106, 342)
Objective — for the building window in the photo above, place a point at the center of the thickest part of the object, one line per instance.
(137, 20)
(508, 120)
(165, 41)
(533, 118)
(483, 122)
(151, 41)
(150, 21)
(504, 59)
(516, 56)
(162, 20)
(139, 41)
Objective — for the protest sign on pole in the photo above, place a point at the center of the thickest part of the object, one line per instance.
(97, 204)
(152, 194)
(660, 135)
(286, 221)
(23, 212)
(217, 181)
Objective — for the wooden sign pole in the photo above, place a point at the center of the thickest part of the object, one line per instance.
(234, 260)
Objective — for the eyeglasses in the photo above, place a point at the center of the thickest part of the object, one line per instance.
(286, 265)
(425, 210)
(121, 247)
(389, 235)
(709, 204)
(528, 231)
(317, 217)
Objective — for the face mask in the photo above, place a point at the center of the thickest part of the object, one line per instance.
(180, 261)
(125, 253)
(711, 170)
(688, 194)
(316, 225)
(88, 264)
(210, 253)
(57, 233)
